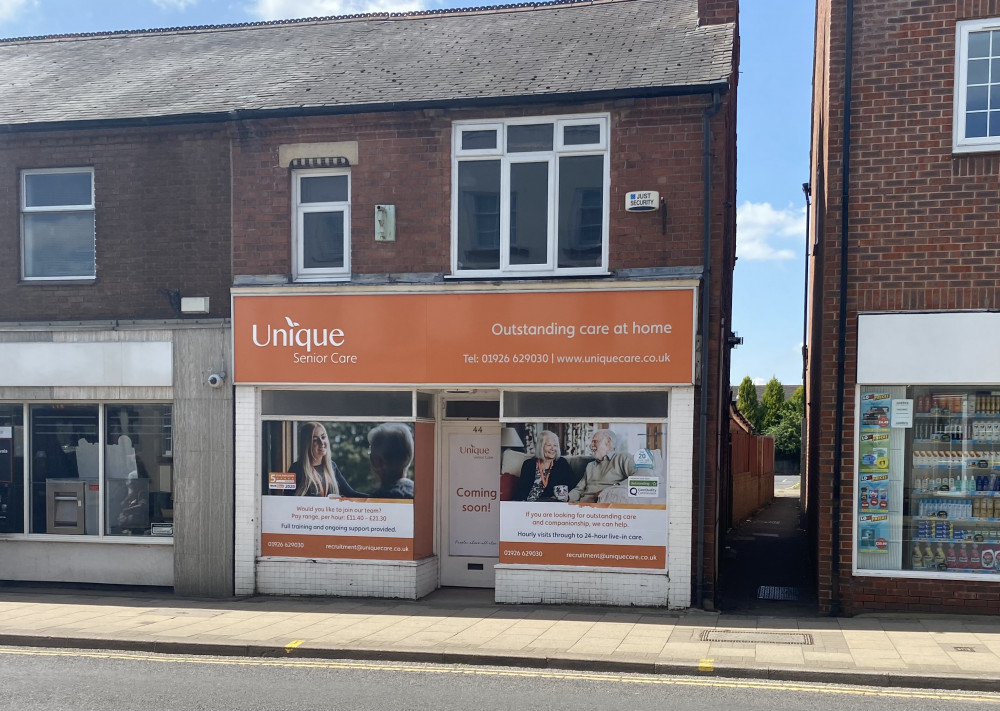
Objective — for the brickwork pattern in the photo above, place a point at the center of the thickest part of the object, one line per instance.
(405, 160)
(162, 222)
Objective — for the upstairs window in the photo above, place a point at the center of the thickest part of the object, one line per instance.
(530, 196)
(57, 224)
(322, 224)
(977, 86)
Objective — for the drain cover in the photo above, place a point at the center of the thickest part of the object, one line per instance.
(770, 592)
(754, 637)
(965, 649)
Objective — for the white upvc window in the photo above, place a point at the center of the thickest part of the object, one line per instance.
(977, 86)
(321, 228)
(57, 224)
(530, 196)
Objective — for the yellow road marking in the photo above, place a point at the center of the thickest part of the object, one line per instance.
(706, 665)
(293, 644)
(804, 687)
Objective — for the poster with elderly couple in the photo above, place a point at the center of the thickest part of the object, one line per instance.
(583, 494)
(338, 490)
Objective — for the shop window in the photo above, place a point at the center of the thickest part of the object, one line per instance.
(530, 197)
(585, 404)
(57, 224)
(138, 470)
(322, 224)
(929, 480)
(304, 403)
(75, 462)
(11, 468)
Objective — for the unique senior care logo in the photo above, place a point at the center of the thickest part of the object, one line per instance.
(310, 339)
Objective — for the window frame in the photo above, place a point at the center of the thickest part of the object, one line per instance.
(961, 143)
(300, 272)
(559, 150)
(49, 209)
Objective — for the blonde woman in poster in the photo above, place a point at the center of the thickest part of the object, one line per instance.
(541, 474)
(315, 472)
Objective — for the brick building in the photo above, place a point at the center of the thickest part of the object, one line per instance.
(481, 269)
(107, 423)
(903, 388)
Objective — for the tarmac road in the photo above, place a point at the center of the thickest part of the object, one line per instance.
(57, 679)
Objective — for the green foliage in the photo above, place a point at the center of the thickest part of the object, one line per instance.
(797, 401)
(746, 402)
(772, 402)
(787, 432)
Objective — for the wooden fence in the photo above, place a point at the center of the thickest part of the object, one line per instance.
(752, 462)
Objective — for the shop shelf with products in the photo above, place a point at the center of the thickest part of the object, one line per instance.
(954, 483)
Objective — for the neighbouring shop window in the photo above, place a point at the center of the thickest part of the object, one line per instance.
(929, 479)
(57, 224)
(138, 470)
(322, 224)
(75, 462)
(11, 468)
(531, 196)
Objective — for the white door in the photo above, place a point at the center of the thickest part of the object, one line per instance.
(470, 503)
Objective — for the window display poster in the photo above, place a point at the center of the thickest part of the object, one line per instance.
(585, 495)
(348, 492)
(873, 493)
(901, 413)
(873, 533)
(474, 499)
(875, 410)
(873, 452)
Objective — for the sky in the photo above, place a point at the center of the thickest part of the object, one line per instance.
(775, 89)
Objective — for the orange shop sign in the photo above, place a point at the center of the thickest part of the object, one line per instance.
(633, 336)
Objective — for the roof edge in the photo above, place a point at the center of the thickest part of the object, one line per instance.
(301, 112)
(385, 16)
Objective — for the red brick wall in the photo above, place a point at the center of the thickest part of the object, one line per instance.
(162, 221)
(923, 236)
(717, 12)
(405, 160)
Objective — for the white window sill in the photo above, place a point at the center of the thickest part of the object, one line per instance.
(528, 274)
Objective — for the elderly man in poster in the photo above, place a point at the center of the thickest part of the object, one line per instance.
(608, 469)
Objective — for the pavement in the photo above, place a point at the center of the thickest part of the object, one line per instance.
(753, 639)
(467, 627)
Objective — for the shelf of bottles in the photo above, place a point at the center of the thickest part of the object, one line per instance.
(954, 484)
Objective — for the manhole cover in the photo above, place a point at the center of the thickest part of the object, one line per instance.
(770, 592)
(754, 637)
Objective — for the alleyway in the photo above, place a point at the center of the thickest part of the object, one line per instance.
(765, 564)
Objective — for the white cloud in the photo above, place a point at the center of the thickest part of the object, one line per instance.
(10, 8)
(288, 9)
(173, 4)
(761, 229)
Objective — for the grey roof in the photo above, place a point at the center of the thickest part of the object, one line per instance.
(617, 47)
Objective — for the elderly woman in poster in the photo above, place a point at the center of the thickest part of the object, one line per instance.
(541, 474)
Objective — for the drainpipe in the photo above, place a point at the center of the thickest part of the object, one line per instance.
(706, 127)
(845, 194)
